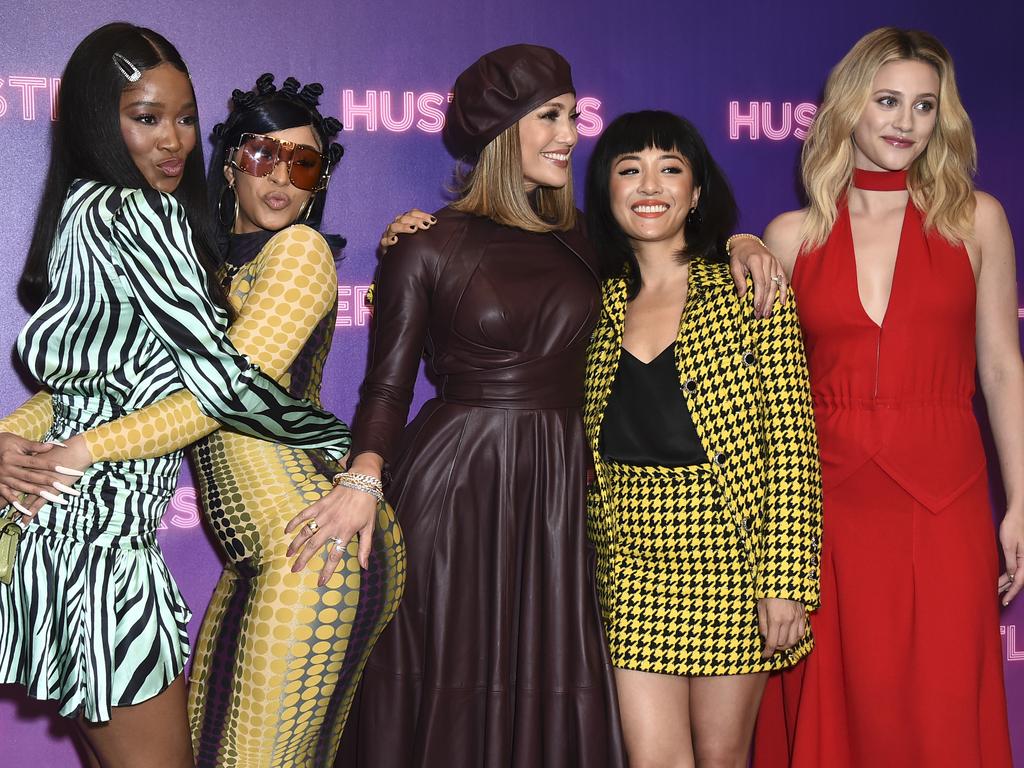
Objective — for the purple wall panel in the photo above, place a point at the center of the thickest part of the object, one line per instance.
(747, 73)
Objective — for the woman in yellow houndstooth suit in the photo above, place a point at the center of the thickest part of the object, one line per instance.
(706, 513)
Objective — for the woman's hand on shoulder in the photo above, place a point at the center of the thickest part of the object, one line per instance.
(769, 264)
(781, 623)
(406, 223)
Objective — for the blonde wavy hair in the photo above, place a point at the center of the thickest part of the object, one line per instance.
(493, 187)
(939, 180)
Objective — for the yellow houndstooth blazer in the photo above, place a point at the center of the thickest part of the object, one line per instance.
(745, 383)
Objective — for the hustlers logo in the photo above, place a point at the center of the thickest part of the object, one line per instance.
(1014, 647)
(770, 120)
(30, 97)
(400, 112)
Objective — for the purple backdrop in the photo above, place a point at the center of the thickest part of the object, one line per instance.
(747, 73)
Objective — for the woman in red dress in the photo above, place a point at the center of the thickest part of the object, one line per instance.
(904, 276)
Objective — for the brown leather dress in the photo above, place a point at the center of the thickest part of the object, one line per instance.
(496, 656)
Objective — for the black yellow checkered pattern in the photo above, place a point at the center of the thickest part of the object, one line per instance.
(757, 534)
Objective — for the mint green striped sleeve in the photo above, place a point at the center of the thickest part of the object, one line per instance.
(156, 264)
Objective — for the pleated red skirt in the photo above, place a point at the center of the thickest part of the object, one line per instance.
(907, 670)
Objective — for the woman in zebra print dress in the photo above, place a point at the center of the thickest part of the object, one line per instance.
(125, 316)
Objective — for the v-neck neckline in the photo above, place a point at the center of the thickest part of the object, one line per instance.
(653, 360)
(887, 314)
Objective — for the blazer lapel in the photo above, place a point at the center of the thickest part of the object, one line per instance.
(603, 358)
(700, 352)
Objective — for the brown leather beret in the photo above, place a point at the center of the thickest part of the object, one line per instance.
(498, 89)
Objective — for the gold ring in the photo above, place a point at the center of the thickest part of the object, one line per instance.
(313, 526)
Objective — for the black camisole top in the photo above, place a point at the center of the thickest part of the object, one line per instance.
(646, 422)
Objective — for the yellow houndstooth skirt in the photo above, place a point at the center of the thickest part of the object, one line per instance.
(675, 579)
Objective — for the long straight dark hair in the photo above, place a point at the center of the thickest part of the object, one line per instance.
(86, 143)
(655, 129)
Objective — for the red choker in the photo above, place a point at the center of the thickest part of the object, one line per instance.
(880, 181)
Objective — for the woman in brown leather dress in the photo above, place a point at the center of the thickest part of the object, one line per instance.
(496, 655)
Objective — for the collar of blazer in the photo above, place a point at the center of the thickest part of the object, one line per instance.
(707, 281)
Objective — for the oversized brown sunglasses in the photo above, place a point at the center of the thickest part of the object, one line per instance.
(258, 155)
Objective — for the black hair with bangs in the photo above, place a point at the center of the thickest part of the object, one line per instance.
(637, 131)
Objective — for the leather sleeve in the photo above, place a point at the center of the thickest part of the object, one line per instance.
(401, 309)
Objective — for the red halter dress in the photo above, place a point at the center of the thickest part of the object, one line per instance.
(907, 668)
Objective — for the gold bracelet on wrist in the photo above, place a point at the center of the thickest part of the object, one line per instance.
(360, 482)
(741, 235)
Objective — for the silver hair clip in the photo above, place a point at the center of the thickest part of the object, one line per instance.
(125, 67)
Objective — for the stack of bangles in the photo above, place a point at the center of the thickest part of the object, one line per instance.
(360, 482)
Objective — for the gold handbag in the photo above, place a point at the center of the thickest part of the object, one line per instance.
(10, 535)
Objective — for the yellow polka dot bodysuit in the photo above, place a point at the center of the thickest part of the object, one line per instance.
(278, 658)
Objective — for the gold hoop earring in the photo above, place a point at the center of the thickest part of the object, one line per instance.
(308, 210)
(228, 225)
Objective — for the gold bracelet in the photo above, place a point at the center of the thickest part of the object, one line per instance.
(357, 477)
(728, 243)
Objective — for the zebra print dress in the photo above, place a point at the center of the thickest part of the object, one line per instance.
(92, 618)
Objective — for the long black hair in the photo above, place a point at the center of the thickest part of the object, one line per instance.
(86, 143)
(267, 109)
(716, 206)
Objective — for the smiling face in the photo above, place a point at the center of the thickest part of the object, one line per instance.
(547, 136)
(651, 192)
(271, 202)
(158, 123)
(899, 117)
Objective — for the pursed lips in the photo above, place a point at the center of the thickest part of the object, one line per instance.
(277, 201)
(172, 166)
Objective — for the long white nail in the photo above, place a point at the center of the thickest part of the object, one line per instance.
(56, 442)
(69, 471)
(21, 508)
(53, 499)
(66, 489)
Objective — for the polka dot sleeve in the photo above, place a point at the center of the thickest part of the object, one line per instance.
(32, 419)
(294, 286)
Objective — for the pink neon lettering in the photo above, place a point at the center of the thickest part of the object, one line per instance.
(1012, 652)
(344, 307)
(770, 131)
(186, 510)
(54, 92)
(352, 309)
(363, 312)
(3, 102)
(737, 120)
(432, 118)
(803, 115)
(408, 111)
(28, 86)
(350, 110)
(589, 122)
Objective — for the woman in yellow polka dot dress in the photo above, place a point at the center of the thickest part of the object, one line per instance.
(280, 653)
